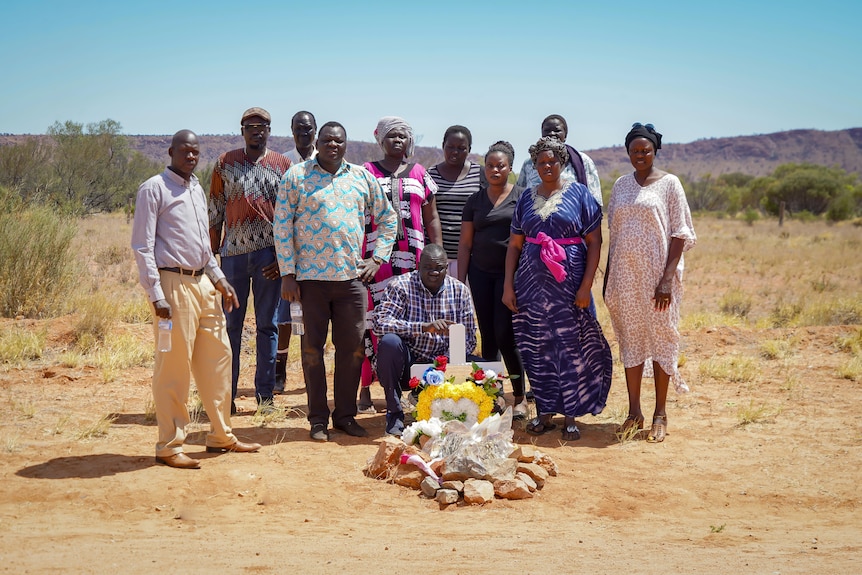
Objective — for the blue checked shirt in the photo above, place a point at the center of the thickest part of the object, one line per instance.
(407, 304)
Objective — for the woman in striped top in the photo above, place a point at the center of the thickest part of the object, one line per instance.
(457, 179)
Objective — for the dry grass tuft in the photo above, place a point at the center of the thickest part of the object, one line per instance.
(851, 343)
(704, 319)
(776, 348)
(852, 370)
(98, 428)
(136, 310)
(19, 345)
(99, 314)
(149, 408)
(753, 414)
(735, 368)
(268, 414)
(735, 302)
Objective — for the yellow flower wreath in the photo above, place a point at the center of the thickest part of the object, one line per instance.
(467, 390)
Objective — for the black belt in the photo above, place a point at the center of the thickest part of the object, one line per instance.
(184, 272)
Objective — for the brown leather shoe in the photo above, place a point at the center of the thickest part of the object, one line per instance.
(238, 447)
(179, 460)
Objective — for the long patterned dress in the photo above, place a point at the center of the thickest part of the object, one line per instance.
(641, 222)
(566, 356)
(412, 190)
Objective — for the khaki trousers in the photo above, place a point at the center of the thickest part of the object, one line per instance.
(199, 348)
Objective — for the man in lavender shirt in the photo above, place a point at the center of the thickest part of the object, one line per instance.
(177, 269)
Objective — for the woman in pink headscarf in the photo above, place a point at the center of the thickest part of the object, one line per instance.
(411, 191)
(551, 261)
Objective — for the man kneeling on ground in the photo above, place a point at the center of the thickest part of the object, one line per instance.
(412, 325)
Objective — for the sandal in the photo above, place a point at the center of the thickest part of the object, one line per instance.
(519, 410)
(659, 429)
(537, 427)
(571, 432)
(632, 424)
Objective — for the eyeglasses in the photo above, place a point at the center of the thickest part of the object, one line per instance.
(637, 125)
(255, 127)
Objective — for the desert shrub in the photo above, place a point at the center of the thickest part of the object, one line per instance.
(841, 208)
(36, 260)
(805, 216)
(750, 216)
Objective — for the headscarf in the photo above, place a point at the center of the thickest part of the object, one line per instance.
(389, 123)
(644, 131)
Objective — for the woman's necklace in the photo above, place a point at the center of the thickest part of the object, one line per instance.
(544, 206)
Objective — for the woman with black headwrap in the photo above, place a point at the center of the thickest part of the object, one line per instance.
(650, 227)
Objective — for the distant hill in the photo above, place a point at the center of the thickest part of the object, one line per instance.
(756, 155)
(212, 145)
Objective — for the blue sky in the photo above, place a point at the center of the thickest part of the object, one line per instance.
(696, 70)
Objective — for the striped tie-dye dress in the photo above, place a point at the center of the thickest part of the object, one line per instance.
(566, 356)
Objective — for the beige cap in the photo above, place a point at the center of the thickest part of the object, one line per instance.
(260, 112)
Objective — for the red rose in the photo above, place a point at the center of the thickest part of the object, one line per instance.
(479, 375)
(414, 382)
(440, 362)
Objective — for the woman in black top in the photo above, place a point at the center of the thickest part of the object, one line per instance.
(485, 225)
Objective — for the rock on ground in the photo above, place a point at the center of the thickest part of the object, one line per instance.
(478, 491)
(447, 496)
(512, 489)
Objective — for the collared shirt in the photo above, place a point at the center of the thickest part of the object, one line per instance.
(320, 221)
(407, 304)
(295, 157)
(242, 197)
(171, 229)
(529, 177)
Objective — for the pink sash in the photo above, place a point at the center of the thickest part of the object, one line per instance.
(551, 252)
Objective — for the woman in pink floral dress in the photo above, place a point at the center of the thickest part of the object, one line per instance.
(650, 228)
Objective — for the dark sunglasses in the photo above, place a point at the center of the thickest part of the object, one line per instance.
(255, 127)
(637, 125)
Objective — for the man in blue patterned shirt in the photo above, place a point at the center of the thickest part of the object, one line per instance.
(318, 227)
(412, 325)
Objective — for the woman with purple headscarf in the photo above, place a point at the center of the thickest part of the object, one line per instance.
(411, 191)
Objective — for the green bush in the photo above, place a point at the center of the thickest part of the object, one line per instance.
(36, 260)
(750, 216)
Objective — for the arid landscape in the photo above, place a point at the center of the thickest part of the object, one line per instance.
(759, 473)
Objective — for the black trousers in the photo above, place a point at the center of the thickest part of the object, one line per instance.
(495, 324)
(343, 304)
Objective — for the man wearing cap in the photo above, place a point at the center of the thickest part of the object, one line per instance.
(242, 200)
(181, 277)
(303, 126)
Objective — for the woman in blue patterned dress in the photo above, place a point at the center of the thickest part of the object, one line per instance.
(550, 265)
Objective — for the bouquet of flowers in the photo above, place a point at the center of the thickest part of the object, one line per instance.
(489, 381)
(439, 398)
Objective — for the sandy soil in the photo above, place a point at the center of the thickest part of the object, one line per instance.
(779, 495)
